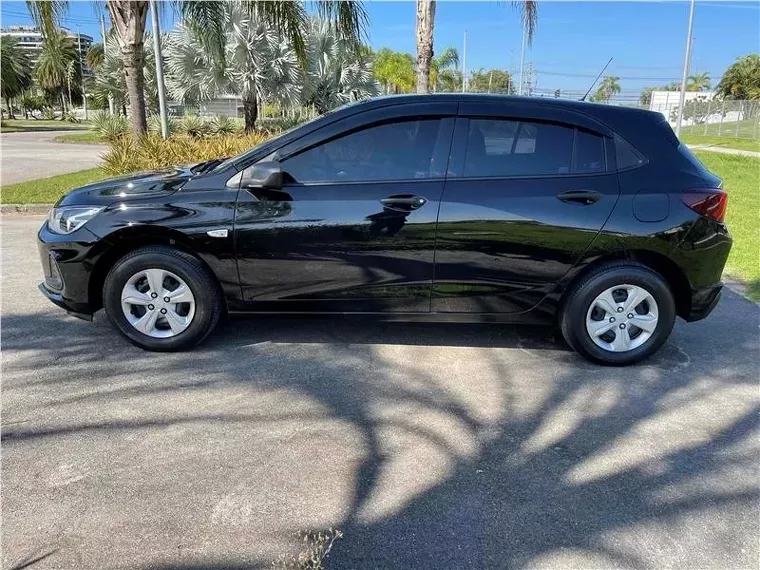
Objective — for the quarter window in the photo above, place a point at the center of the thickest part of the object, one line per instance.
(416, 149)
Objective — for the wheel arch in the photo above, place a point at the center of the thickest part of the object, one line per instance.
(673, 275)
(126, 240)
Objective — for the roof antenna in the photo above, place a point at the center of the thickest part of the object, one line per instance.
(595, 80)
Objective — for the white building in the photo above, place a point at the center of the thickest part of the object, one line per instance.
(666, 102)
(30, 41)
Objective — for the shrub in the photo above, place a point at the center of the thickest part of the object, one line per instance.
(111, 127)
(194, 126)
(223, 125)
(153, 152)
(154, 124)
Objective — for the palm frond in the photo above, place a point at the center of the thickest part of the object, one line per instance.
(529, 14)
(47, 14)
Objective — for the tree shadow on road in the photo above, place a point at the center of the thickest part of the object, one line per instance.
(501, 450)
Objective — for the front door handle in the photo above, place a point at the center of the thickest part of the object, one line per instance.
(583, 197)
(403, 202)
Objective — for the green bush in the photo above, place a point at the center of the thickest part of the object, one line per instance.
(111, 127)
(223, 125)
(154, 124)
(194, 126)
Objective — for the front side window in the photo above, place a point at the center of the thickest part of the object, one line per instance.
(502, 148)
(392, 151)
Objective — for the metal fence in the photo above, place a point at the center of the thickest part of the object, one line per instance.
(714, 117)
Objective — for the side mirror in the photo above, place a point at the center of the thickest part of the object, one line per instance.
(265, 175)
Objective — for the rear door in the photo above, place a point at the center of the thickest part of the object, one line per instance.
(525, 196)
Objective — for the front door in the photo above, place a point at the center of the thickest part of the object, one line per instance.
(524, 200)
(353, 229)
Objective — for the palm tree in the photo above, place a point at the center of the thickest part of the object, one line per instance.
(698, 81)
(95, 56)
(443, 67)
(47, 14)
(335, 72)
(425, 24)
(426, 20)
(394, 70)
(608, 88)
(128, 19)
(53, 70)
(206, 20)
(15, 70)
(255, 63)
(742, 79)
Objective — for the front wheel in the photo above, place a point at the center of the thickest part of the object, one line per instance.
(620, 314)
(161, 299)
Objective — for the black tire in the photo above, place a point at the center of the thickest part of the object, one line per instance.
(208, 302)
(582, 294)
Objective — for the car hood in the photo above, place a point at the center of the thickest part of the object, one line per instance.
(130, 187)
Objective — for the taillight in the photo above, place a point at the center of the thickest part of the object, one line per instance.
(708, 203)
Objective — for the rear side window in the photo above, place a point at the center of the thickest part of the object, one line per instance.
(589, 152)
(626, 155)
(502, 148)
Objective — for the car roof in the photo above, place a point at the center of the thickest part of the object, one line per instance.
(591, 109)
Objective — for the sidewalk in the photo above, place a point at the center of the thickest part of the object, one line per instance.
(723, 150)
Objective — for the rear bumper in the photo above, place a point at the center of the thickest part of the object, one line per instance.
(703, 301)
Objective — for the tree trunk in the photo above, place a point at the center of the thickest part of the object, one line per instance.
(250, 111)
(10, 108)
(128, 19)
(63, 102)
(425, 22)
(134, 60)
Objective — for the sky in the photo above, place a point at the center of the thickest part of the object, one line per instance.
(572, 43)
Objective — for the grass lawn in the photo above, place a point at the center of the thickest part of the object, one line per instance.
(725, 142)
(87, 137)
(48, 190)
(30, 125)
(745, 129)
(741, 176)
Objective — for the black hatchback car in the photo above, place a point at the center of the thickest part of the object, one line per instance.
(455, 207)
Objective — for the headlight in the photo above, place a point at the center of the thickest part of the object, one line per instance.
(70, 218)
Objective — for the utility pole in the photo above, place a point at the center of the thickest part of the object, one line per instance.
(81, 71)
(686, 62)
(464, 64)
(522, 59)
(105, 52)
(159, 71)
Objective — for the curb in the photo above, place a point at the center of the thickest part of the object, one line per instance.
(31, 209)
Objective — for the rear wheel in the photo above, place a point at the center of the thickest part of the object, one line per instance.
(621, 313)
(161, 299)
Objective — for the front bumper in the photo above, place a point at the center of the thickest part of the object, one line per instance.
(74, 309)
(703, 301)
(67, 265)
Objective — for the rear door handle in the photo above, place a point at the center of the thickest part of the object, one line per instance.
(403, 202)
(583, 197)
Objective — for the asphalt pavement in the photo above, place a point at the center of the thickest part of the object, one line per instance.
(428, 446)
(32, 155)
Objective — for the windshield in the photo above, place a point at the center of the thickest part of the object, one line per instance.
(243, 156)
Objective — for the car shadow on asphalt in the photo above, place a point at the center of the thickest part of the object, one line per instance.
(573, 457)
